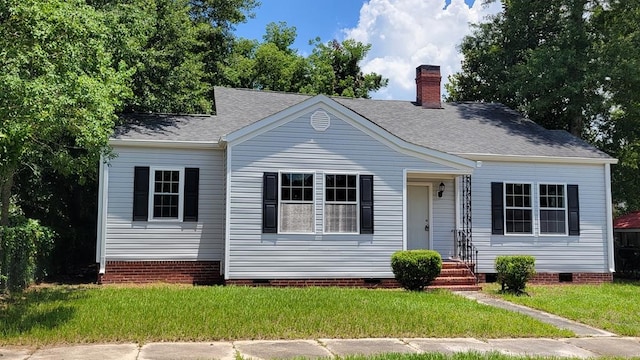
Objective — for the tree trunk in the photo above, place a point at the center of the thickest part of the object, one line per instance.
(575, 128)
(5, 199)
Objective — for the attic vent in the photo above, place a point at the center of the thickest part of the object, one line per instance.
(320, 121)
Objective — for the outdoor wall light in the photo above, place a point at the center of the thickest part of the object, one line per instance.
(440, 190)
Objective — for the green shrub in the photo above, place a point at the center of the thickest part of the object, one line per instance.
(25, 252)
(415, 269)
(514, 271)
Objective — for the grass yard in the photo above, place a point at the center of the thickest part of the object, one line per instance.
(60, 314)
(612, 307)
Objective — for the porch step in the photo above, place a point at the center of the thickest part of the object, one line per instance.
(456, 287)
(455, 276)
(454, 280)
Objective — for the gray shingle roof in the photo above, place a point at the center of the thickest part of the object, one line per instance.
(457, 128)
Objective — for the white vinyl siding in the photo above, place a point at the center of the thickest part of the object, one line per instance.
(554, 253)
(169, 239)
(340, 149)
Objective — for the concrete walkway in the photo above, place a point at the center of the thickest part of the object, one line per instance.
(557, 321)
(590, 343)
(590, 347)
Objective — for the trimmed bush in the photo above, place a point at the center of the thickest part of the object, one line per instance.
(415, 269)
(514, 271)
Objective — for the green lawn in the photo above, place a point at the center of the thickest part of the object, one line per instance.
(179, 313)
(613, 307)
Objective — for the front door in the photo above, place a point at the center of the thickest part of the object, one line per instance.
(417, 217)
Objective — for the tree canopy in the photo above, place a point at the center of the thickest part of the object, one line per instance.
(333, 68)
(68, 67)
(534, 56)
(566, 64)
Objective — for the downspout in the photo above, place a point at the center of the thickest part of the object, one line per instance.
(103, 191)
(609, 210)
(227, 231)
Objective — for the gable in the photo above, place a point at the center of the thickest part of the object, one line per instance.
(325, 109)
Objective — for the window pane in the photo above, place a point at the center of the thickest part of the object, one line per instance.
(296, 193)
(341, 218)
(286, 193)
(296, 218)
(351, 195)
(351, 181)
(330, 181)
(329, 195)
(552, 222)
(308, 194)
(296, 179)
(341, 195)
(286, 180)
(341, 181)
(308, 180)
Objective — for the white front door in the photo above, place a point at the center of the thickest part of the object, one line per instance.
(418, 217)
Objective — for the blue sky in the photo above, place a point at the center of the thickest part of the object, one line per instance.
(403, 33)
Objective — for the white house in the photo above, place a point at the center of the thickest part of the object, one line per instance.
(286, 189)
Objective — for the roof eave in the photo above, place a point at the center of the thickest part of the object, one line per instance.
(172, 144)
(537, 158)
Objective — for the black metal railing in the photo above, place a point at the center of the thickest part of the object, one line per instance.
(463, 236)
(466, 252)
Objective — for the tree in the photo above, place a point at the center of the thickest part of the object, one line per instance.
(618, 130)
(268, 65)
(534, 56)
(332, 68)
(216, 37)
(58, 90)
(335, 70)
(158, 40)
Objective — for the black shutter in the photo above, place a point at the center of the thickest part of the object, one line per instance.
(270, 203)
(141, 193)
(497, 208)
(366, 204)
(574, 209)
(191, 185)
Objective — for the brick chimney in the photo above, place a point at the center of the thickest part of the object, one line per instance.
(428, 86)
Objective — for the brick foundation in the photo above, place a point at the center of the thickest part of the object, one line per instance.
(141, 272)
(345, 282)
(562, 278)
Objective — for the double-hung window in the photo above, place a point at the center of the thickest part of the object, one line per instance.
(289, 206)
(518, 208)
(296, 203)
(161, 193)
(167, 185)
(553, 209)
(557, 209)
(341, 203)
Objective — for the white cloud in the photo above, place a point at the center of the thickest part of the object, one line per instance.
(407, 33)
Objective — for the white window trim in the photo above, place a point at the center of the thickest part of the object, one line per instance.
(280, 202)
(356, 203)
(532, 207)
(152, 177)
(566, 210)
